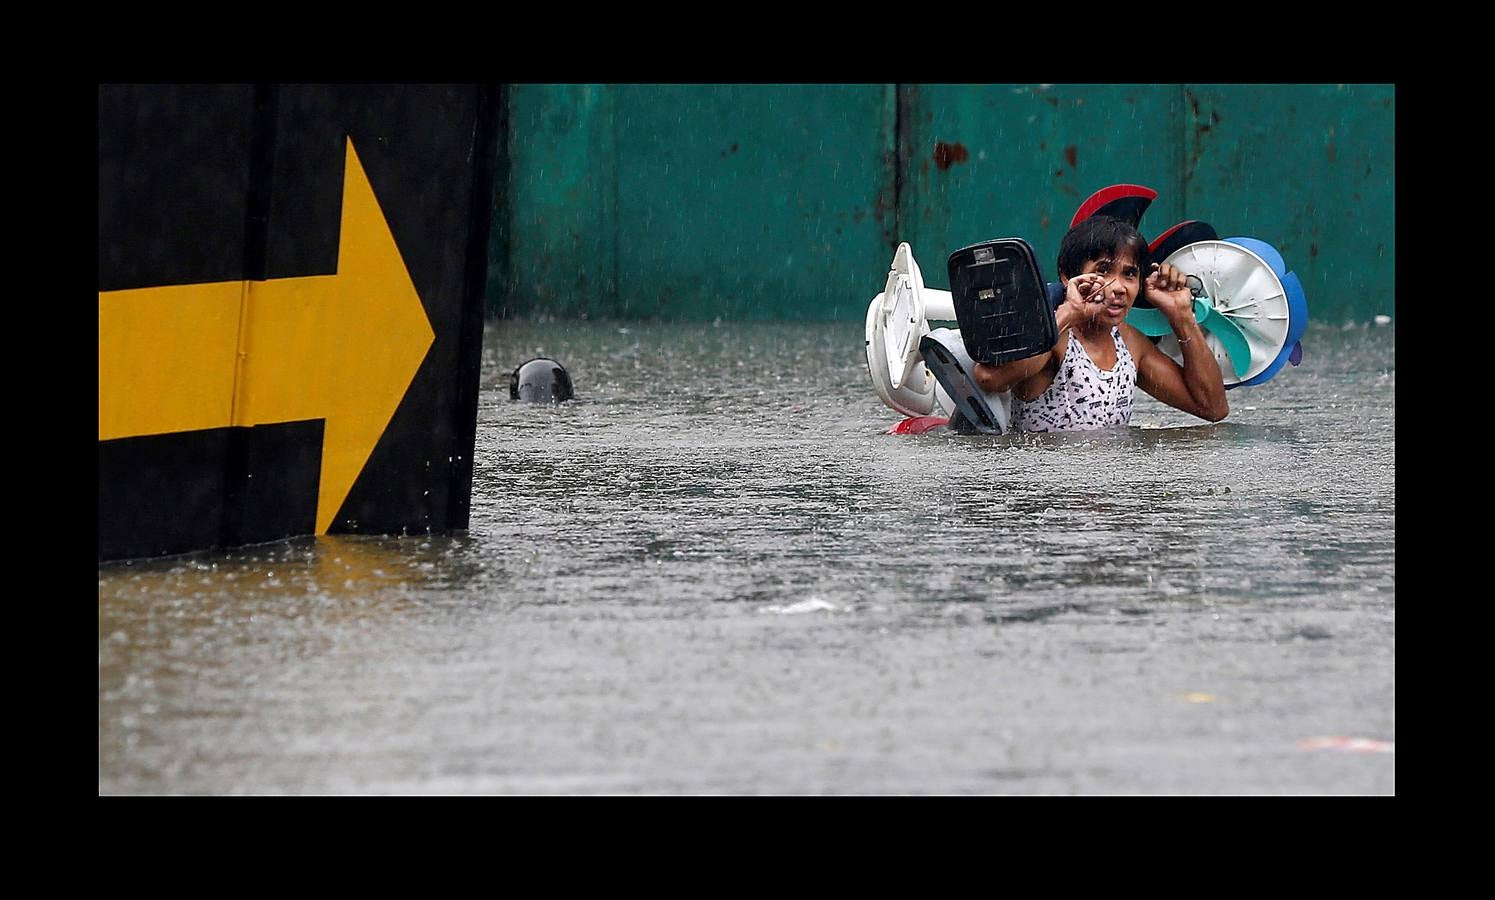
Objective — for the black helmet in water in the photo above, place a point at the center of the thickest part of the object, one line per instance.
(541, 380)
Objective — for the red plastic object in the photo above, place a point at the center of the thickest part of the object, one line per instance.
(918, 425)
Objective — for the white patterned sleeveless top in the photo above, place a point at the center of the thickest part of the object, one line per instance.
(1083, 396)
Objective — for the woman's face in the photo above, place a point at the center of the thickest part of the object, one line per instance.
(1123, 284)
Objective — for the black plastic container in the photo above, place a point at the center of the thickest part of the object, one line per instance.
(1001, 302)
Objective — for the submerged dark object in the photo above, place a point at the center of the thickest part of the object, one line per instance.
(541, 380)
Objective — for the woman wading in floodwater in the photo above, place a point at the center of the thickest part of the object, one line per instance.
(1089, 377)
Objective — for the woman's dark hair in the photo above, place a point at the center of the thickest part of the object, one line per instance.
(1097, 238)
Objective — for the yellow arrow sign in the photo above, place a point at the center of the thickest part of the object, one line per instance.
(340, 347)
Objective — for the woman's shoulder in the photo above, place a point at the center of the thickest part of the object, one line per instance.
(1136, 342)
(1061, 347)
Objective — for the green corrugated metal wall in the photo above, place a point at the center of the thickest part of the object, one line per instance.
(786, 201)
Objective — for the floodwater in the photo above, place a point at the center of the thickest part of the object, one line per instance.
(713, 574)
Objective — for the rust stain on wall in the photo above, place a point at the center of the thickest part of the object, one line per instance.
(1070, 154)
(946, 155)
(1196, 145)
